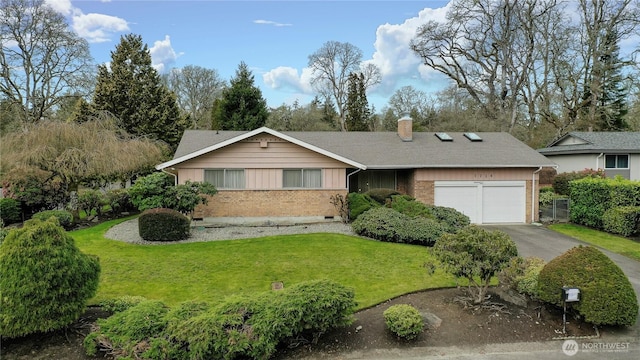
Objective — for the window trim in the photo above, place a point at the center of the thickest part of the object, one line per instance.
(302, 170)
(224, 178)
(616, 166)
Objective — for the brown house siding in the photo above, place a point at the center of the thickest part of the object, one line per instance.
(271, 203)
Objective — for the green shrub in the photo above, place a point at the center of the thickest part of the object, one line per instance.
(127, 332)
(91, 200)
(253, 326)
(163, 225)
(3, 231)
(359, 203)
(10, 211)
(382, 196)
(121, 304)
(607, 297)
(65, 218)
(388, 225)
(119, 200)
(46, 280)
(546, 196)
(404, 321)
(623, 220)
(158, 191)
(522, 275)
(409, 206)
(451, 219)
(562, 180)
(475, 254)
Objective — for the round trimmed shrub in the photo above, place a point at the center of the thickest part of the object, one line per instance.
(46, 280)
(10, 211)
(163, 225)
(404, 321)
(65, 218)
(607, 297)
(386, 224)
(451, 219)
(409, 206)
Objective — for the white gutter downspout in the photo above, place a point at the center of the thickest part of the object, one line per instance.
(533, 194)
(598, 160)
(175, 177)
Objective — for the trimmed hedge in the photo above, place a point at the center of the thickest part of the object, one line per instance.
(623, 220)
(591, 198)
(65, 218)
(46, 280)
(404, 321)
(388, 225)
(607, 297)
(163, 225)
(239, 327)
(10, 211)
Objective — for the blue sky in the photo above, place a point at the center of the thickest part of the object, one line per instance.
(274, 38)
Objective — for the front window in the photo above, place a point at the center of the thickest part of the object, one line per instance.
(616, 161)
(302, 178)
(225, 178)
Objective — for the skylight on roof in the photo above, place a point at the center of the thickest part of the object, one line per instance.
(443, 136)
(472, 136)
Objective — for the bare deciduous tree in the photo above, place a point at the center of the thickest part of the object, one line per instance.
(41, 58)
(331, 65)
(196, 89)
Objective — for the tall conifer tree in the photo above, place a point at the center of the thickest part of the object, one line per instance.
(242, 106)
(131, 89)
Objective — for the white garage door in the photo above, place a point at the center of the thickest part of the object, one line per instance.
(486, 202)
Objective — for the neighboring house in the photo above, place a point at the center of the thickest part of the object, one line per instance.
(491, 177)
(617, 153)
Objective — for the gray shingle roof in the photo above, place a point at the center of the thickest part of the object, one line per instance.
(595, 142)
(380, 150)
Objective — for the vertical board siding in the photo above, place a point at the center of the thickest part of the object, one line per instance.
(473, 174)
(249, 154)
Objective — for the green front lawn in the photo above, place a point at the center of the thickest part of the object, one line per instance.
(613, 243)
(213, 270)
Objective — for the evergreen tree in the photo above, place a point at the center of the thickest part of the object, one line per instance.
(358, 113)
(131, 89)
(242, 106)
(607, 83)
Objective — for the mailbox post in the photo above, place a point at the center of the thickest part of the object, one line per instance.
(569, 294)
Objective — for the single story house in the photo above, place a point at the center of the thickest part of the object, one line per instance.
(490, 177)
(617, 153)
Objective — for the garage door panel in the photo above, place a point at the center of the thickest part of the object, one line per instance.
(503, 204)
(484, 202)
(460, 197)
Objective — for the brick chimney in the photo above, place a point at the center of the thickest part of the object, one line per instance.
(405, 128)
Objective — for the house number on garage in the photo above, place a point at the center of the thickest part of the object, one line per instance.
(483, 175)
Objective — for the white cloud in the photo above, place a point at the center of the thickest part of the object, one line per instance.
(93, 27)
(284, 77)
(163, 55)
(269, 22)
(98, 27)
(393, 56)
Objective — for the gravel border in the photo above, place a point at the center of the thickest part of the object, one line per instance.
(127, 231)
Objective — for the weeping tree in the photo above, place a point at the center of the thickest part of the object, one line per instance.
(69, 154)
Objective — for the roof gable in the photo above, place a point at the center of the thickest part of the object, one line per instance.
(234, 137)
(382, 150)
(594, 142)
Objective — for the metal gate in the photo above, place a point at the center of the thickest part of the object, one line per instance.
(556, 211)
